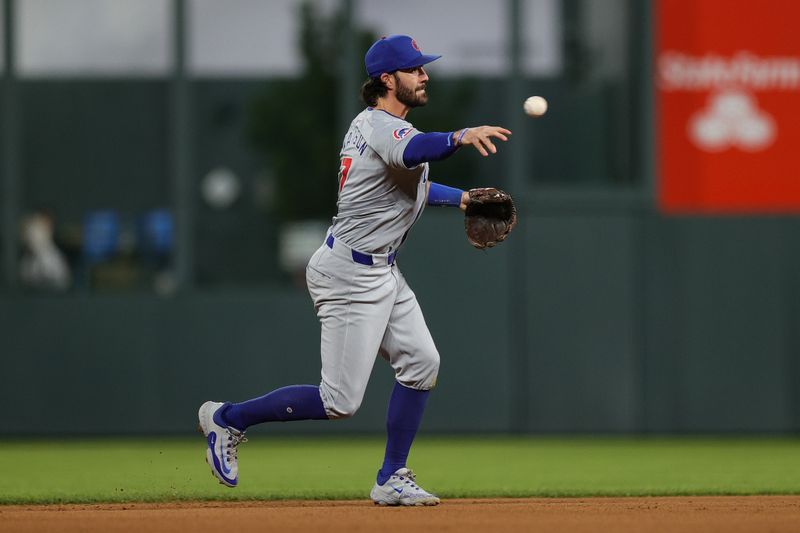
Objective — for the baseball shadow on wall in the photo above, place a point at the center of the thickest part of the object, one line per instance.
(294, 125)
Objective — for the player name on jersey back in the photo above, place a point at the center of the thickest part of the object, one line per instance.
(355, 139)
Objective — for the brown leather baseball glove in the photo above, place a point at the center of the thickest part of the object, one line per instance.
(489, 217)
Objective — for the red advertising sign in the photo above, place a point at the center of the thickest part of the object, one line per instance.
(728, 106)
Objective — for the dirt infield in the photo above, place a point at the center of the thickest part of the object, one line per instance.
(672, 514)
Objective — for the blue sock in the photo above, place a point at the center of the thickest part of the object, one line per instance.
(402, 422)
(295, 402)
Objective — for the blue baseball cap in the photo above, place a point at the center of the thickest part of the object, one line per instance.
(395, 52)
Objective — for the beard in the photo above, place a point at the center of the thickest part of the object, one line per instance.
(408, 97)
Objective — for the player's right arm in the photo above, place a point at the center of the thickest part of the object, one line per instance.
(435, 146)
(401, 145)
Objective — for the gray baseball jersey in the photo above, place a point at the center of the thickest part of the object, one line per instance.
(363, 302)
(379, 197)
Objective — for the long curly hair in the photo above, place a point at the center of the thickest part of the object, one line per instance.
(371, 90)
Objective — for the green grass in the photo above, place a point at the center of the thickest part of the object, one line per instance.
(117, 470)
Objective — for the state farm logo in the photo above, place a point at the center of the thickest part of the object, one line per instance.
(679, 71)
(732, 119)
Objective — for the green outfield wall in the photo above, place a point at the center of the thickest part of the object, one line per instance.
(635, 323)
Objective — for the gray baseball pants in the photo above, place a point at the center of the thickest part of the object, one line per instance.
(365, 311)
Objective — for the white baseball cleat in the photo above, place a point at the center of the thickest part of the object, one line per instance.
(401, 489)
(221, 454)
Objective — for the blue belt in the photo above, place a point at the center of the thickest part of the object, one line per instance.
(362, 258)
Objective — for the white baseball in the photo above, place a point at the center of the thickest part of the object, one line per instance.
(535, 106)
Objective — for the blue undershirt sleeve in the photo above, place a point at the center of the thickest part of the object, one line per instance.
(433, 146)
(443, 195)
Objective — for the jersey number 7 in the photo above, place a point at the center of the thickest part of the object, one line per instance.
(344, 168)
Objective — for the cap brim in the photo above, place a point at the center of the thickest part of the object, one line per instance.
(419, 61)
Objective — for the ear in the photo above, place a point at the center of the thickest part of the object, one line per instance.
(388, 80)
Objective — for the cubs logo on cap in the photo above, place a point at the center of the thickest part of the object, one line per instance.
(395, 52)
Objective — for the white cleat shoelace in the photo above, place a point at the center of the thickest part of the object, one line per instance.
(234, 440)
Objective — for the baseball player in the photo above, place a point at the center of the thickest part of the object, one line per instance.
(363, 302)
